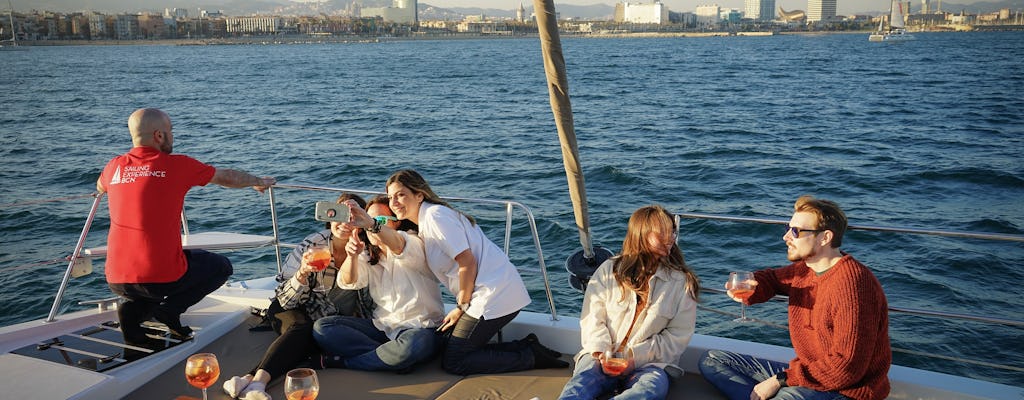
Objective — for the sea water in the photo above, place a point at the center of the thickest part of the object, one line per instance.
(924, 134)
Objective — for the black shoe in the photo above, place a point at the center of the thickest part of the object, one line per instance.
(130, 316)
(537, 347)
(542, 359)
(173, 322)
(327, 361)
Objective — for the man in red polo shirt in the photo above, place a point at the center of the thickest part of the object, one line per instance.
(146, 190)
(838, 320)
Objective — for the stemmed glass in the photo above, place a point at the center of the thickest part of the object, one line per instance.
(202, 371)
(301, 384)
(319, 256)
(741, 285)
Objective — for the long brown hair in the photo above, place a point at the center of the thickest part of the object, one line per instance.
(638, 262)
(415, 182)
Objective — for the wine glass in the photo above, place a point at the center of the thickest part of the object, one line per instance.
(319, 258)
(301, 384)
(202, 371)
(741, 285)
(617, 363)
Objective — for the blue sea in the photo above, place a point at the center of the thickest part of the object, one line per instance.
(924, 134)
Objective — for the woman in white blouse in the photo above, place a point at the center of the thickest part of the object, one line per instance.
(402, 331)
(487, 288)
(641, 302)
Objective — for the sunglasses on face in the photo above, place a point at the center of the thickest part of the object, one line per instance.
(383, 219)
(796, 231)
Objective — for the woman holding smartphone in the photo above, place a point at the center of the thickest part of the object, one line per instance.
(305, 293)
(487, 288)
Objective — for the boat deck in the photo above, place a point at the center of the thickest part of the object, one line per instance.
(240, 350)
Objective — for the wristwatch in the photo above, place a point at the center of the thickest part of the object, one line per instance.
(781, 377)
(464, 307)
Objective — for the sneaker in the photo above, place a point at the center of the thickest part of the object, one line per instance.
(234, 386)
(256, 390)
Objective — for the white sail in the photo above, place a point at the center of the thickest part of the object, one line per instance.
(896, 31)
(896, 16)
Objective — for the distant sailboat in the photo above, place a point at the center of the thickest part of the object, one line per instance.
(896, 31)
(14, 34)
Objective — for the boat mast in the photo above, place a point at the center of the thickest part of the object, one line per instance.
(558, 91)
(881, 18)
(14, 34)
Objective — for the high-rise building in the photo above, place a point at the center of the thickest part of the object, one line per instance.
(821, 10)
(640, 13)
(707, 16)
(925, 6)
(759, 10)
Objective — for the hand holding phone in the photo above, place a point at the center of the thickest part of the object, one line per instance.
(330, 211)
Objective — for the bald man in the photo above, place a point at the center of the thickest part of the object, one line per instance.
(145, 261)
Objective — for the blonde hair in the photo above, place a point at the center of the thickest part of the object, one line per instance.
(828, 215)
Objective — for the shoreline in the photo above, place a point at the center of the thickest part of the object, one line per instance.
(302, 39)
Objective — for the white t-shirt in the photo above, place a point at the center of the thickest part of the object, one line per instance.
(406, 293)
(499, 289)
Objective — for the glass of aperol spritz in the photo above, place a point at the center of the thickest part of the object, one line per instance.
(319, 257)
(301, 384)
(202, 371)
(618, 362)
(741, 285)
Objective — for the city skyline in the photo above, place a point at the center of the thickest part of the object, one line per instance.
(844, 7)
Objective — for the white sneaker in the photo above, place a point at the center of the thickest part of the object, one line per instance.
(234, 386)
(255, 391)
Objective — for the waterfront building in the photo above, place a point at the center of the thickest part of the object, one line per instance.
(759, 10)
(126, 27)
(97, 25)
(640, 13)
(925, 6)
(521, 13)
(152, 27)
(730, 15)
(176, 13)
(707, 16)
(252, 25)
(401, 11)
(821, 10)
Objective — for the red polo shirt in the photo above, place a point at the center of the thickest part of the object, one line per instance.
(146, 191)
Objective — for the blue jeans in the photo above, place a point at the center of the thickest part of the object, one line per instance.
(735, 375)
(588, 382)
(364, 347)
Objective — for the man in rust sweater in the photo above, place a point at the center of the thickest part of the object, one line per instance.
(838, 320)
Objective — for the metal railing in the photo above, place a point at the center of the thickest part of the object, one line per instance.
(892, 309)
(508, 205)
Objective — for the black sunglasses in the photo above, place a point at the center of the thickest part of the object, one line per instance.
(795, 231)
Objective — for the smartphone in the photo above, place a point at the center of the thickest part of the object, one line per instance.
(331, 211)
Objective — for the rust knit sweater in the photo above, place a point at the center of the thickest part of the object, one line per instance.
(839, 326)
